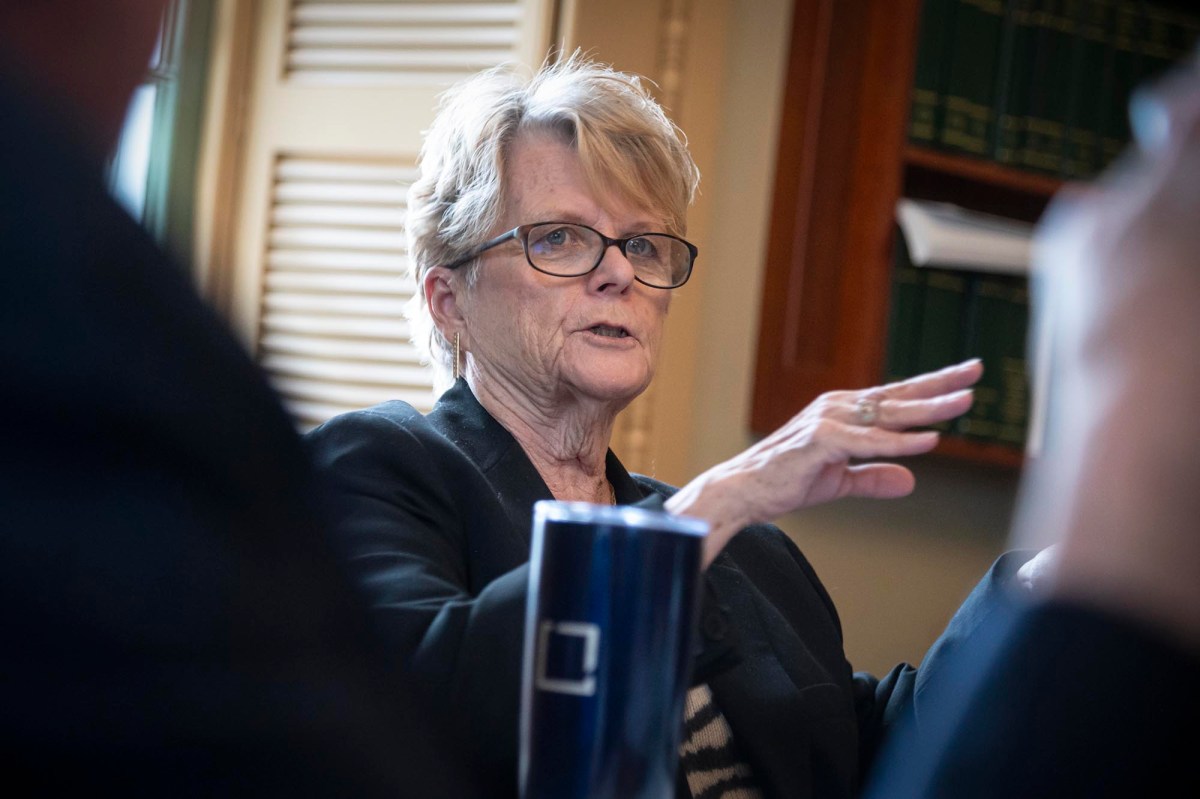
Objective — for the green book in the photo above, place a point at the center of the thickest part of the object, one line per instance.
(1122, 69)
(1185, 33)
(1045, 127)
(1084, 113)
(974, 55)
(1014, 77)
(1170, 37)
(998, 335)
(1158, 42)
(904, 317)
(1014, 376)
(940, 342)
(929, 78)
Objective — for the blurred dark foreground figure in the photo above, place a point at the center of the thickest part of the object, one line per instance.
(173, 619)
(1094, 690)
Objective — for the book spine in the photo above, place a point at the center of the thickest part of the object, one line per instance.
(1082, 158)
(999, 336)
(1185, 34)
(940, 342)
(1013, 409)
(1122, 71)
(904, 318)
(1158, 46)
(1014, 75)
(929, 80)
(974, 55)
(1044, 143)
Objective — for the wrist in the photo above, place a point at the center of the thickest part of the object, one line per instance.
(716, 500)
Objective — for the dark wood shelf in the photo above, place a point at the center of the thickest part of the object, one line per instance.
(988, 173)
(975, 451)
(976, 184)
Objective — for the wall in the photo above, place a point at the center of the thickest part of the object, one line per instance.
(897, 570)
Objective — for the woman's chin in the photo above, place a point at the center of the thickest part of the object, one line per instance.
(612, 386)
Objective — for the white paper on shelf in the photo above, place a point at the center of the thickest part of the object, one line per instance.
(950, 237)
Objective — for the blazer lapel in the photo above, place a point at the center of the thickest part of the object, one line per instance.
(509, 472)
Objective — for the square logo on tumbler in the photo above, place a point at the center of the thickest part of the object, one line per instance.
(567, 653)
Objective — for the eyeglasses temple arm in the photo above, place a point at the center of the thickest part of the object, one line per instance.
(487, 245)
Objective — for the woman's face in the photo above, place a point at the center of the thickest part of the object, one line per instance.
(596, 336)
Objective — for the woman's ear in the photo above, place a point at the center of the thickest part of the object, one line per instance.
(441, 294)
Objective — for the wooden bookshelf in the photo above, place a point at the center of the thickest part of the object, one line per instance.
(976, 451)
(975, 183)
(986, 173)
(844, 159)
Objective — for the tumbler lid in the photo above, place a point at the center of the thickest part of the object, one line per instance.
(625, 515)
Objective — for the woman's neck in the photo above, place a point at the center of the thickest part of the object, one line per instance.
(566, 438)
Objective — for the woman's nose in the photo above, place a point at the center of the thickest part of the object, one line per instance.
(615, 272)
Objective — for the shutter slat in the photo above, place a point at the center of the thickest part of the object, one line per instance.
(345, 216)
(345, 394)
(336, 326)
(300, 169)
(317, 346)
(337, 261)
(351, 372)
(315, 303)
(339, 284)
(333, 36)
(380, 59)
(334, 238)
(361, 193)
(404, 13)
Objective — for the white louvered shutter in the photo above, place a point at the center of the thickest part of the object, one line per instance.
(384, 42)
(340, 94)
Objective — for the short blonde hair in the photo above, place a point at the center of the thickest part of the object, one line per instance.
(625, 142)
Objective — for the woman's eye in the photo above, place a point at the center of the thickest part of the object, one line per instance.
(641, 248)
(559, 237)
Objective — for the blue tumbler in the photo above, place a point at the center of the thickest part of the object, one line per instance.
(609, 631)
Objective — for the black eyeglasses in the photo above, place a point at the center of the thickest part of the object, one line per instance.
(566, 249)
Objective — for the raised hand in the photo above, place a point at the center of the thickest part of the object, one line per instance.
(812, 458)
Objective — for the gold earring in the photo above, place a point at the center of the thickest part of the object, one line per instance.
(457, 366)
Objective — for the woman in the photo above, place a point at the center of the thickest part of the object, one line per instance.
(546, 234)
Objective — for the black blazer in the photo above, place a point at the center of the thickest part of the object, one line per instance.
(174, 620)
(434, 515)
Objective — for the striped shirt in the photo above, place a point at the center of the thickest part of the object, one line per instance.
(708, 757)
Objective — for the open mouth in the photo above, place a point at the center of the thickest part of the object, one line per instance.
(608, 331)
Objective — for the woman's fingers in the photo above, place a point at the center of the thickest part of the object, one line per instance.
(932, 384)
(850, 441)
(899, 414)
(878, 481)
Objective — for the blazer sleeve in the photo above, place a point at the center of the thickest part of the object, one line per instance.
(395, 492)
(882, 704)
(717, 646)
(1056, 700)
